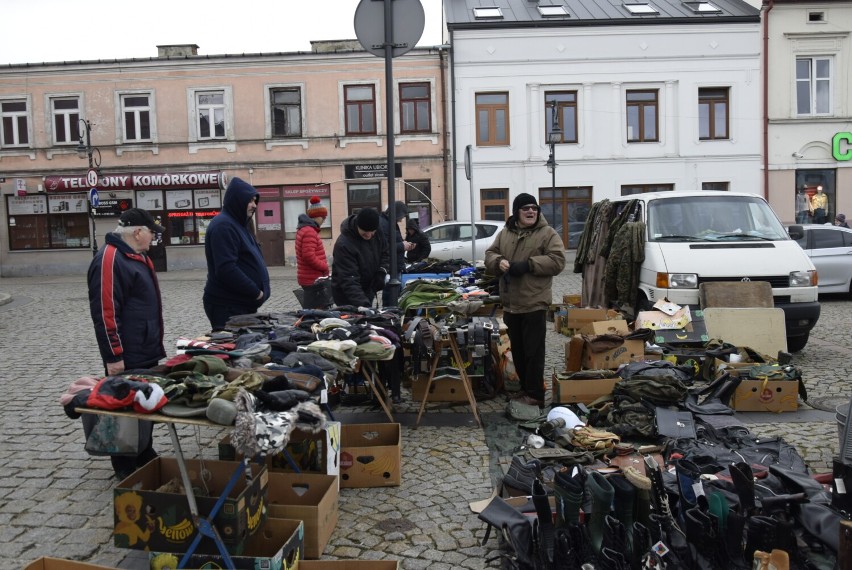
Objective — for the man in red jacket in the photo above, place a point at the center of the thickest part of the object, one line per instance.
(311, 261)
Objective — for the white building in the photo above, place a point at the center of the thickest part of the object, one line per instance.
(650, 96)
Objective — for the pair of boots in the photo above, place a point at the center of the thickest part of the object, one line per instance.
(717, 396)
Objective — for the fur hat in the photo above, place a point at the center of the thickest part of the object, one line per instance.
(316, 210)
(368, 219)
(521, 200)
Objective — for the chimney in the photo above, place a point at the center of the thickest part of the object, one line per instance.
(177, 50)
(330, 46)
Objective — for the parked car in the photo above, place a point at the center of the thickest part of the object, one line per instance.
(830, 250)
(451, 240)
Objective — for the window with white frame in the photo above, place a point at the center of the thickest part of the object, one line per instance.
(136, 112)
(210, 114)
(813, 85)
(286, 112)
(14, 118)
(66, 119)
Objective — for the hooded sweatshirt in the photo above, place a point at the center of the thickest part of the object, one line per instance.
(236, 272)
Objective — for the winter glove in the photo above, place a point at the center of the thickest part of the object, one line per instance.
(518, 268)
(379, 279)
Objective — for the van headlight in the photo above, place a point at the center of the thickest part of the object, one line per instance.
(677, 280)
(803, 278)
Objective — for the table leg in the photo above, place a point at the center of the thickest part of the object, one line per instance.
(465, 379)
(379, 391)
(432, 369)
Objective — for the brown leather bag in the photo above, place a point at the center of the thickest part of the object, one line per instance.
(301, 381)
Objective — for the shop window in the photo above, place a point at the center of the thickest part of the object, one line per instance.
(415, 108)
(492, 119)
(294, 207)
(494, 204)
(360, 109)
(286, 112)
(58, 221)
(66, 120)
(187, 213)
(136, 113)
(642, 116)
(566, 115)
(418, 198)
(14, 118)
(363, 196)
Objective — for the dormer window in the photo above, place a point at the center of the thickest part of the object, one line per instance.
(702, 7)
(488, 13)
(639, 9)
(552, 11)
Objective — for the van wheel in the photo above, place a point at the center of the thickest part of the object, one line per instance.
(797, 343)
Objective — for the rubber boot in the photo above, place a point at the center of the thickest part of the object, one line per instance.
(612, 560)
(642, 485)
(641, 545)
(581, 543)
(673, 537)
(615, 535)
(702, 535)
(546, 536)
(760, 535)
(733, 539)
(569, 496)
(688, 484)
(623, 505)
(601, 493)
(743, 479)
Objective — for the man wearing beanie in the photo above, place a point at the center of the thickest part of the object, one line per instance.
(527, 253)
(359, 261)
(311, 262)
(389, 297)
(237, 278)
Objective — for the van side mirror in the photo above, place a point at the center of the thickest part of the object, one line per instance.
(796, 232)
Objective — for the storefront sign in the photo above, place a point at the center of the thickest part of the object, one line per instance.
(147, 181)
(112, 207)
(362, 171)
(306, 190)
(841, 146)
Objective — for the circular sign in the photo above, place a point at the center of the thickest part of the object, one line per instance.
(94, 197)
(407, 20)
(92, 178)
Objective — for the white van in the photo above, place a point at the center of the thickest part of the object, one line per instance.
(706, 236)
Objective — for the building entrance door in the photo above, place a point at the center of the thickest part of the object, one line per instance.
(270, 233)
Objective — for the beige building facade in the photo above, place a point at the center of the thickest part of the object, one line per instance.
(166, 133)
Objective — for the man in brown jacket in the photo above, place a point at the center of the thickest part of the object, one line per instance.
(527, 254)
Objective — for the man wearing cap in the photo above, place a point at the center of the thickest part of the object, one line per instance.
(127, 310)
(360, 260)
(527, 253)
(237, 278)
(311, 262)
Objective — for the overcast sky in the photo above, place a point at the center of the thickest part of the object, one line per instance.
(36, 31)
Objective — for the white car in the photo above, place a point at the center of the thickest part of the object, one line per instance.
(830, 250)
(451, 240)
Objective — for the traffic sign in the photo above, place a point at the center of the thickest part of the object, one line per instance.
(92, 178)
(94, 198)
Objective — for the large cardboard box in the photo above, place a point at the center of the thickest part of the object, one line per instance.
(692, 333)
(277, 546)
(150, 519)
(614, 326)
(581, 391)
(371, 455)
(766, 396)
(308, 497)
(579, 356)
(311, 452)
(348, 565)
(48, 563)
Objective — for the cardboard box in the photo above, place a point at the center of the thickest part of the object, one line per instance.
(656, 320)
(572, 299)
(445, 389)
(148, 519)
(48, 563)
(585, 391)
(613, 326)
(371, 455)
(766, 396)
(277, 546)
(308, 497)
(578, 356)
(311, 452)
(693, 333)
(348, 565)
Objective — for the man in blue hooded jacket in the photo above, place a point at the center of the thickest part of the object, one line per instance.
(237, 278)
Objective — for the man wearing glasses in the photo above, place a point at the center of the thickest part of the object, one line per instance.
(526, 254)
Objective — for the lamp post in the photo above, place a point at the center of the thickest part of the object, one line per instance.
(86, 150)
(553, 137)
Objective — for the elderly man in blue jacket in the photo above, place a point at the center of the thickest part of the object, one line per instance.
(237, 278)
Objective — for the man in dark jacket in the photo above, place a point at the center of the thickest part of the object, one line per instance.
(360, 260)
(237, 278)
(389, 296)
(127, 311)
(527, 254)
(420, 242)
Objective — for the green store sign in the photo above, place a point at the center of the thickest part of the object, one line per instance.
(841, 146)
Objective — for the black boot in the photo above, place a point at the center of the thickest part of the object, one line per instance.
(612, 560)
(569, 496)
(688, 479)
(623, 507)
(581, 543)
(760, 535)
(641, 545)
(546, 537)
(521, 475)
(615, 535)
(601, 494)
(702, 535)
(743, 479)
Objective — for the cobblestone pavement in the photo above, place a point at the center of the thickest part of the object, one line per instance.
(55, 500)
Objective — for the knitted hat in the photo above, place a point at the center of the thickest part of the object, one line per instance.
(841, 218)
(521, 200)
(368, 219)
(316, 210)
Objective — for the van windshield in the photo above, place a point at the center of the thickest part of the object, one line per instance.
(713, 218)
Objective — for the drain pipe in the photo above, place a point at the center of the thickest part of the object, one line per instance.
(453, 203)
(769, 6)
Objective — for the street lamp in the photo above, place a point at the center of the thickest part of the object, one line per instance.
(553, 137)
(86, 150)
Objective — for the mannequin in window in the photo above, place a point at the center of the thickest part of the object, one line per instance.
(819, 204)
(803, 207)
